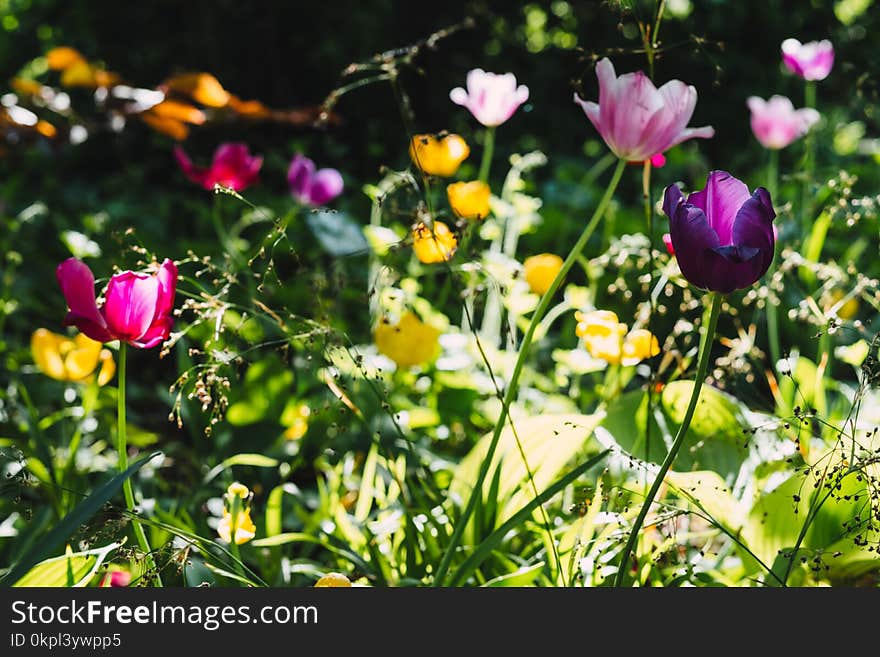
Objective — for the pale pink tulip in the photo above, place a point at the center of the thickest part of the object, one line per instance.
(491, 98)
(811, 61)
(776, 123)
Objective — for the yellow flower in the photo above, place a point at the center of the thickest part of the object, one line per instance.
(410, 342)
(437, 245)
(639, 345)
(540, 270)
(606, 338)
(71, 359)
(333, 580)
(469, 200)
(296, 419)
(438, 155)
(236, 518)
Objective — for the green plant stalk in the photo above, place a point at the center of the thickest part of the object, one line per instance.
(122, 448)
(513, 385)
(702, 367)
(809, 158)
(649, 218)
(772, 310)
(488, 151)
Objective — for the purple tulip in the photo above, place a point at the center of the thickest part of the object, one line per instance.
(811, 61)
(311, 187)
(636, 119)
(137, 307)
(722, 236)
(776, 123)
(491, 98)
(233, 166)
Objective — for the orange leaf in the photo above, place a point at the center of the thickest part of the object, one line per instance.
(171, 127)
(203, 88)
(172, 109)
(62, 58)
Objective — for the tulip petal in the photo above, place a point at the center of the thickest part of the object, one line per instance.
(190, 170)
(458, 96)
(167, 276)
(692, 238)
(299, 177)
(158, 332)
(131, 304)
(45, 349)
(721, 199)
(753, 227)
(326, 185)
(639, 102)
(78, 286)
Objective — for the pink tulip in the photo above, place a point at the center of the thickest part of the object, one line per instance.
(490, 97)
(636, 119)
(233, 166)
(776, 123)
(811, 61)
(311, 187)
(137, 307)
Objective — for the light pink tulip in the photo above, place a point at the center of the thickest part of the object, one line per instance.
(137, 307)
(310, 186)
(636, 119)
(490, 97)
(811, 61)
(776, 123)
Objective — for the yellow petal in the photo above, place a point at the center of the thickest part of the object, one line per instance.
(469, 200)
(172, 109)
(46, 351)
(408, 343)
(333, 580)
(108, 368)
(541, 270)
(639, 345)
(438, 155)
(432, 246)
(79, 74)
(239, 490)
(63, 57)
(171, 127)
(203, 88)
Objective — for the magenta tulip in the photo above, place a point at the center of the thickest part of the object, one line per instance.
(722, 236)
(490, 97)
(811, 61)
(636, 119)
(233, 166)
(776, 123)
(137, 307)
(311, 187)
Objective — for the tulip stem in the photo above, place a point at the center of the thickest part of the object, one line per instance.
(649, 217)
(702, 367)
(488, 150)
(513, 385)
(809, 159)
(123, 463)
(772, 310)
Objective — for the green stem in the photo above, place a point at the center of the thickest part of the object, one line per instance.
(649, 217)
(513, 384)
(809, 160)
(702, 367)
(488, 149)
(772, 310)
(122, 447)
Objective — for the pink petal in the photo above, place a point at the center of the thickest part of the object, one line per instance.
(326, 185)
(299, 177)
(191, 171)
(78, 287)
(131, 304)
(638, 103)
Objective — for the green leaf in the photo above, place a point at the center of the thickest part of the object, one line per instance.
(253, 460)
(72, 521)
(337, 233)
(484, 549)
(73, 569)
(549, 443)
(522, 577)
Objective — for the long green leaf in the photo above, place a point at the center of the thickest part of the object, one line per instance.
(71, 569)
(485, 548)
(69, 524)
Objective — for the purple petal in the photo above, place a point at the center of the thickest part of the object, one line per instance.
(131, 304)
(327, 184)
(78, 287)
(299, 177)
(692, 238)
(753, 226)
(721, 199)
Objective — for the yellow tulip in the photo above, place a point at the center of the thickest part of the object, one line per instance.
(333, 580)
(540, 270)
(469, 200)
(237, 515)
(410, 342)
(437, 245)
(438, 155)
(71, 359)
(639, 345)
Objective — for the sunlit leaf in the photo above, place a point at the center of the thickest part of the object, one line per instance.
(74, 569)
